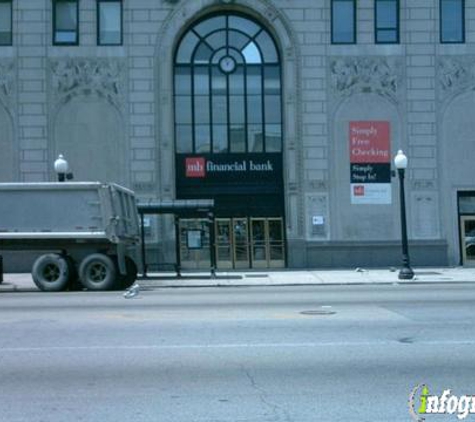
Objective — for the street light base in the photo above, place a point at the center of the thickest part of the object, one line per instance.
(406, 273)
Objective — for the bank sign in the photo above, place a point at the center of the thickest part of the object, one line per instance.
(370, 162)
(215, 173)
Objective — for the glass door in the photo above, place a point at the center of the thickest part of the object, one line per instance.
(467, 228)
(259, 243)
(241, 243)
(276, 243)
(224, 252)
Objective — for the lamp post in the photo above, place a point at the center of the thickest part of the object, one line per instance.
(405, 273)
(61, 167)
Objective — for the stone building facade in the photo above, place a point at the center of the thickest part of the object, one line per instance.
(111, 111)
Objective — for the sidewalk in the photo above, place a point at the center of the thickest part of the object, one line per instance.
(23, 282)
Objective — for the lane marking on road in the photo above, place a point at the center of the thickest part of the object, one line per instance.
(240, 346)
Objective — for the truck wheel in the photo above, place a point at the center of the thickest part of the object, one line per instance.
(50, 272)
(98, 272)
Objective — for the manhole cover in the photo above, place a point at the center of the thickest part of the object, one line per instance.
(318, 312)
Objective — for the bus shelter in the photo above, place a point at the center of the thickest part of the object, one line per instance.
(181, 209)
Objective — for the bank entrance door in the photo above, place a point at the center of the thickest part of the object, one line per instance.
(467, 236)
(250, 242)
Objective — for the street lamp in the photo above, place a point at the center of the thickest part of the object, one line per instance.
(405, 273)
(61, 167)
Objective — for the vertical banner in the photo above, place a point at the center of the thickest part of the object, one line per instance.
(370, 162)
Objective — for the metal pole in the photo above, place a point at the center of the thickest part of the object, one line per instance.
(142, 239)
(212, 244)
(1, 269)
(406, 272)
(177, 246)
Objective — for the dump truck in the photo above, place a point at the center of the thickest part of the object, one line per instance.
(87, 233)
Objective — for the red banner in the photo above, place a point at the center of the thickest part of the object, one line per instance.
(369, 142)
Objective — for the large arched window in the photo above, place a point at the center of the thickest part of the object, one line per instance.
(227, 88)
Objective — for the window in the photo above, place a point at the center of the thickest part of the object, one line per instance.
(452, 25)
(65, 22)
(387, 21)
(5, 22)
(109, 22)
(227, 88)
(343, 21)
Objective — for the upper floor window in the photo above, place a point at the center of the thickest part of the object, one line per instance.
(109, 22)
(228, 88)
(386, 21)
(343, 21)
(65, 22)
(5, 22)
(452, 21)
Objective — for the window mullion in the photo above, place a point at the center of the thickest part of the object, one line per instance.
(210, 105)
(246, 130)
(263, 109)
(228, 113)
(193, 125)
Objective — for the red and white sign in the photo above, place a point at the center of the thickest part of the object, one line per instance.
(370, 162)
(195, 167)
(369, 142)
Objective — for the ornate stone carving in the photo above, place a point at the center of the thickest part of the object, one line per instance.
(455, 75)
(7, 81)
(380, 75)
(102, 77)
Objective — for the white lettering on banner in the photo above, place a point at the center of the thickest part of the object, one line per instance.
(372, 131)
(372, 152)
(236, 166)
(239, 166)
(261, 166)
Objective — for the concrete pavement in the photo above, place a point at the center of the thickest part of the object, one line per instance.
(23, 282)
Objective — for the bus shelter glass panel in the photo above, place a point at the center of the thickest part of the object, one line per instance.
(194, 244)
(467, 226)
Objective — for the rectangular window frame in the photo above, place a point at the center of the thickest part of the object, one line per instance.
(10, 43)
(379, 29)
(353, 41)
(55, 31)
(98, 23)
(441, 33)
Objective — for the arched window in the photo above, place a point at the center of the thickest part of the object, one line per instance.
(227, 88)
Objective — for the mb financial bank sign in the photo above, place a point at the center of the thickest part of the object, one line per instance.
(199, 166)
(234, 173)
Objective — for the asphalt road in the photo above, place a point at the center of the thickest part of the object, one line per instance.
(234, 354)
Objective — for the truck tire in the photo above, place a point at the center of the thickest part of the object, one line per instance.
(98, 272)
(50, 272)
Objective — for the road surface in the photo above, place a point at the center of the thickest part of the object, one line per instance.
(270, 354)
